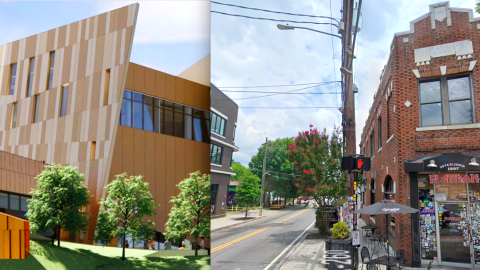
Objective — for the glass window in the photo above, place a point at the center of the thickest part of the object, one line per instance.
(222, 127)
(13, 123)
(23, 204)
(137, 97)
(216, 154)
(31, 68)
(64, 101)
(148, 100)
(168, 122)
(197, 129)
(36, 107)
(188, 125)
(3, 202)
(13, 76)
(379, 132)
(234, 130)
(450, 191)
(178, 128)
(126, 113)
(127, 94)
(372, 144)
(214, 121)
(157, 119)
(14, 202)
(137, 115)
(454, 108)
(147, 117)
(51, 66)
(372, 192)
(218, 124)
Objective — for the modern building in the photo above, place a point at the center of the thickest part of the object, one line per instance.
(223, 126)
(422, 134)
(70, 96)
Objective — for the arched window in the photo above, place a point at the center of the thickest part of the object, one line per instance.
(389, 188)
(372, 192)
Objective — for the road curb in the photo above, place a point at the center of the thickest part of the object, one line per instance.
(247, 221)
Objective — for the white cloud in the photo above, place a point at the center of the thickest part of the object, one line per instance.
(167, 21)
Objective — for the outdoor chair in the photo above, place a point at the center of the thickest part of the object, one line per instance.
(400, 256)
(365, 254)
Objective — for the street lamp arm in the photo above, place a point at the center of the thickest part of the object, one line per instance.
(289, 27)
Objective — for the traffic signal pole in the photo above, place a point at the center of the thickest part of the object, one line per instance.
(263, 175)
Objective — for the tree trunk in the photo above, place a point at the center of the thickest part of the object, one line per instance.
(53, 237)
(58, 237)
(195, 241)
(123, 244)
(246, 211)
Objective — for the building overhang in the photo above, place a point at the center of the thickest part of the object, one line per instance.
(445, 162)
(235, 148)
(223, 172)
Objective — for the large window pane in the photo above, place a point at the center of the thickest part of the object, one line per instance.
(218, 125)
(23, 204)
(14, 202)
(458, 88)
(214, 121)
(127, 94)
(137, 115)
(157, 119)
(3, 202)
(197, 129)
(148, 100)
(147, 117)
(63, 108)
(137, 97)
(14, 118)
(178, 131)
(30, 76)
(430, 92)
(126, 113)
(460, 112)
(431, 114)
(168, 124)
(222, 127)
(188, 126)
(37, 105)
(13, 76)
(50, 71)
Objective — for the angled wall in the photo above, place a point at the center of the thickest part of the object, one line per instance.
(89, 55)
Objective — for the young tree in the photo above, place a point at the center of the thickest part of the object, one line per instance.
(249, 191)
(104, 230)
(128, 202)
(278, 162)
(58, 201)
(317, 157)
(144, 232)
(190, 214)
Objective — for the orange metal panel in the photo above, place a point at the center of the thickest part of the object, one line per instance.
(160, 84)
(170, 87)
(180, 90)
(62, 34)
(30, 46)
(15, 244)
(6, 244)
(3, 222)
(139, 152)
(127, 149)
(2, 245)
(160, 195)
(100, 47)
(149, 81)
(14, 52)
(129, 84)
(72, 38)
(101, 24)
(138, 78)
(189, 93)
(50, 40)
(22, 244)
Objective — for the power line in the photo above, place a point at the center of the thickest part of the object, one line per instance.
(277, 94)
(280, 93)
(267, 86)
(268, 19)
(277, 12)
(288, 107)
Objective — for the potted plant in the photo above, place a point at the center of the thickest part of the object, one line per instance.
(341, 237)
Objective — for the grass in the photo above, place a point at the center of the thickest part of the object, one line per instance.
(74, 256)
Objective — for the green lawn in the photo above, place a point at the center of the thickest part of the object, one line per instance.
(78, 256)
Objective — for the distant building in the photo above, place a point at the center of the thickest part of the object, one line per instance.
(223, 126)
(423, 136)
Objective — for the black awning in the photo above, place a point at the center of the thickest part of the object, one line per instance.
(446, 162)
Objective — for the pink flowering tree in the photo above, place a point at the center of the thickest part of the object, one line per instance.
(317, 158)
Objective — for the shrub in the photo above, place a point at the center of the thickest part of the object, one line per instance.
(319, 222)
(340, 231)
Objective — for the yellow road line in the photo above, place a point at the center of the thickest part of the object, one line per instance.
(238, 240)
(281, 221)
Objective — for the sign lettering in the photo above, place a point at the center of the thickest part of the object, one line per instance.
(455, 179)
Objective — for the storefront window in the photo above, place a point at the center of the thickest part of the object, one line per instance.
(428, 235)
(450, 191)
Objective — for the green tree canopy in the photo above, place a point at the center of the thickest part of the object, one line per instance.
(317, 157)
(249, 190)
(128, 202)
(280, 179)
(190, 214)
(58, 201)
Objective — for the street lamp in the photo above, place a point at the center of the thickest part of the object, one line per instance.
(289, 27)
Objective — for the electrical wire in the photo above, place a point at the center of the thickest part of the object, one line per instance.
(277, 94)
(268, 19)
(280, 93)
(277, 12)
(333, 59)
(267, 86)
(288, 107)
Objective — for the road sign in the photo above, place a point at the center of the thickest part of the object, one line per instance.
(348, 163)
(362, 163)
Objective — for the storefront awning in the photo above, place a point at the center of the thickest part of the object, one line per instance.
(446, 162)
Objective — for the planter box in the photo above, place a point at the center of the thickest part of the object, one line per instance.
(340, 244)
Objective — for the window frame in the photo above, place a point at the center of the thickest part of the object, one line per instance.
(372, 144)
(219, 154)
(30, 74)
(50, 70)
(10, 74)
(379, 132)
(62, 96)
(214, 125)
(444, 98)
(14, 117)
(36, 107)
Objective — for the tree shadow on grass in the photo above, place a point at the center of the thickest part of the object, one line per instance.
(45, 256)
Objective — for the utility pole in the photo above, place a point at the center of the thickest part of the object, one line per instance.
(263, 174)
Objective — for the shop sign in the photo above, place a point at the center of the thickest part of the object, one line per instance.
(455, 178)
(452, 166)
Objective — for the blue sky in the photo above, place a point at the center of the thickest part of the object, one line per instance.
(248, 52)
(170, 35)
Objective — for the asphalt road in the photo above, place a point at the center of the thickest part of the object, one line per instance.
(256, 244)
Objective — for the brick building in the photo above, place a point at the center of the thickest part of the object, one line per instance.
(423, 134)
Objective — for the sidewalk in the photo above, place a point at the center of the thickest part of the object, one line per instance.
(308, 254)
(236, 218)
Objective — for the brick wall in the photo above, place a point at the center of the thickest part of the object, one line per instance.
(408, 143)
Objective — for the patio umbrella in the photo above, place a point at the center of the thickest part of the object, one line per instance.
(386, 207)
